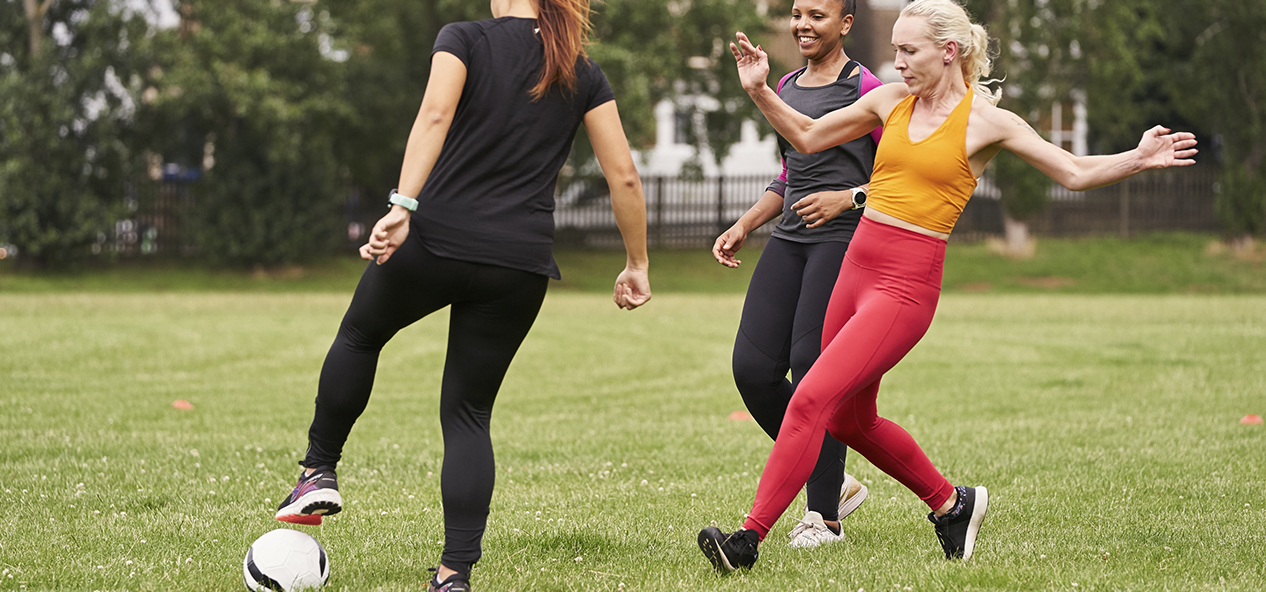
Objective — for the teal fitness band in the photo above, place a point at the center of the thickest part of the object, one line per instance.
(408, 203)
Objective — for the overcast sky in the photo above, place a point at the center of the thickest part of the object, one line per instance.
(158, 12)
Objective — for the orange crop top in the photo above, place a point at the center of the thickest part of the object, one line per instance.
(926, 183)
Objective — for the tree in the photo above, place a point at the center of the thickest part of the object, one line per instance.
(246, 87)
(1222, 84)
(644, 47)
(65, 125)
(1041, 61)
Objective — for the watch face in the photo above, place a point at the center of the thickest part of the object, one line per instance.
(859, 199)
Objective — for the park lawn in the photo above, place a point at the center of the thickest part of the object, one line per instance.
(1163, 263)
(1105, 427)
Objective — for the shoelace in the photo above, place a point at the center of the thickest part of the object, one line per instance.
(806, 525)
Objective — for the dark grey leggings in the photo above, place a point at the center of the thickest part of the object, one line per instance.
(781, 330)
(492, 310)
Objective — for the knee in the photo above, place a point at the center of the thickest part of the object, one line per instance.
(755, 372)
(804, 353)
(843, 427)
(850, 427)
(358, 340)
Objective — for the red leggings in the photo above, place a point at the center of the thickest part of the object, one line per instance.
(881, 306)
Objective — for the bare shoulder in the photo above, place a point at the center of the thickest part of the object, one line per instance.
(1000, 124)
(884, 98)
(893, 91)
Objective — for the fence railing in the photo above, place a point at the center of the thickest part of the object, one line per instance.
(685, 213)
(691, 213)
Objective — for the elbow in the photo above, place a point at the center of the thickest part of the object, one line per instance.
(433, 118)
(804, 143)
(625, 183)
(1075, 182)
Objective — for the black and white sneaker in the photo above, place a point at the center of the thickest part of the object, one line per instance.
(315, 495)
(453, 583)
(729, 551)
(958, 528)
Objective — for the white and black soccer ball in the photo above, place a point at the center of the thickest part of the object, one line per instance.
(285, 560)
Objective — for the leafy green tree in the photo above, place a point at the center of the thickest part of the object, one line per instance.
(245, 87)
(643, 46)
(387, 44)
(1222, 85)
(65, 125)
(1040, 61)
(654, 50)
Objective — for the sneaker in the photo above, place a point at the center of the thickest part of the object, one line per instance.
(852, 494)
(729, 551)
(315, 495)
(957, 529)
(812, 531)
(453, 583)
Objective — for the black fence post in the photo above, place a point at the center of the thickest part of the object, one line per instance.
(1125, 209)
(659, 211)
(720, 204)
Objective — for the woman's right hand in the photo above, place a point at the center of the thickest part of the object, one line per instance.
(753, 62)
(632, 288)
(388, 234)
(728, 244)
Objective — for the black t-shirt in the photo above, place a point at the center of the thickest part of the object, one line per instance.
(834, 169)
(490, 196)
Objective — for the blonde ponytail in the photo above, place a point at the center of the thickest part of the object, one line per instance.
(948, 21)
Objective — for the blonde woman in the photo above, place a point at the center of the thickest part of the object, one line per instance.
(941, 127)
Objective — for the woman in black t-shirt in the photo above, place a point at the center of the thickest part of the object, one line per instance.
(503, 103)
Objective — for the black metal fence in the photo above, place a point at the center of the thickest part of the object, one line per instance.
(691, 213)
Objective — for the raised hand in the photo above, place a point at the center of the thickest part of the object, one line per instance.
(1160, 148)
(753, 62)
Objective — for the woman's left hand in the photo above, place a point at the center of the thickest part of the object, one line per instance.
(822, 207)
(388, 234)
(1160, 148)
(632, 288)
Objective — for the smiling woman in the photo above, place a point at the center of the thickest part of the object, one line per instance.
(817, 200)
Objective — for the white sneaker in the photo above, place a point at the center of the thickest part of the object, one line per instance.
(812, 531)
(852, 494)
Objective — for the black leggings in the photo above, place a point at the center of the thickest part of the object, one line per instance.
(492, 310)
(781, 330)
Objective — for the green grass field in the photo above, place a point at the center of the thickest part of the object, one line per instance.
(1172, 263)
(1105, 426)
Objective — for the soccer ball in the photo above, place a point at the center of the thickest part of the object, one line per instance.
(285, 560)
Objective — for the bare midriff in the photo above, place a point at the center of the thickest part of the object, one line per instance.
(883, 218)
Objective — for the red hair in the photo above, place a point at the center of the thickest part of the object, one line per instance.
(565, 31)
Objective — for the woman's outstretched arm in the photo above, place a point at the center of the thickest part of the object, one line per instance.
(1159, 148)
(632, 287)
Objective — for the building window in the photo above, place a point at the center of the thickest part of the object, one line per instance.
(682, 122)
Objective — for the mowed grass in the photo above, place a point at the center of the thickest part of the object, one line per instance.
(1106, 428)
(1163, 263)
